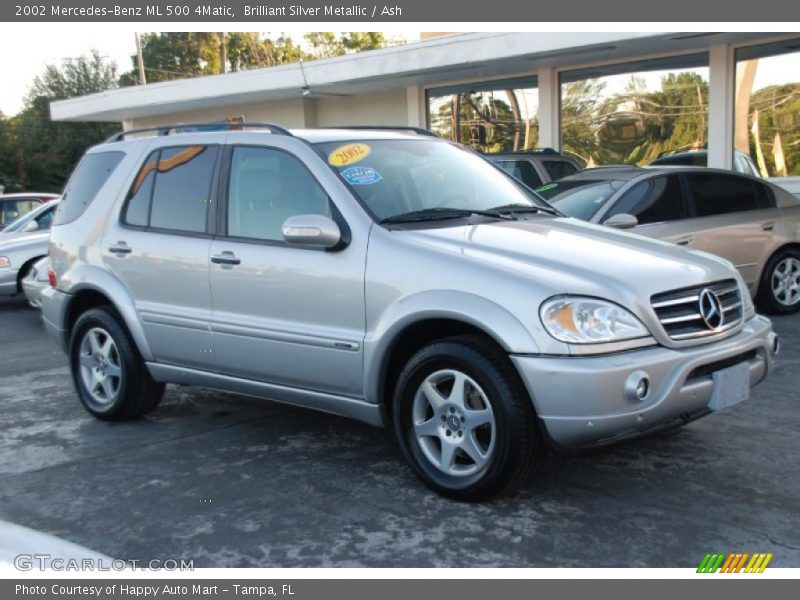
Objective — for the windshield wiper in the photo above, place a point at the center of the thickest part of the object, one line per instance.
(435, 214)
(523, 208)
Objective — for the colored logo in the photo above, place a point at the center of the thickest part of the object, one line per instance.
(734, 562)
(348, 154)
(710, 309)
(361, 175)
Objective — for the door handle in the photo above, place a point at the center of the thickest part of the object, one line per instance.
(120, 248)
(768, 226)
(685, 241)
(225, 258)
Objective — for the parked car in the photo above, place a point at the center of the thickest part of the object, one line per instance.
(36, 281)
(750, 222)
(13, 206)
(390, 277)
(18, 253)
(742, 163)
(39, 219)
(535, 167)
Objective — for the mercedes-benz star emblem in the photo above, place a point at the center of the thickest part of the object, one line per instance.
(710, 309)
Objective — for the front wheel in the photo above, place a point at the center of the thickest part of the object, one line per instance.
(464, 422)
(109, 374)
(779, 289)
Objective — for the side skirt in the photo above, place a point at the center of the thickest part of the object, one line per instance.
(345, 406)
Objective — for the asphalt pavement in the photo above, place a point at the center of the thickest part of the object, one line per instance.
(232, 481)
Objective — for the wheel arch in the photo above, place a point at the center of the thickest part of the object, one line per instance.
(23, 270)
(780, 248)
(403, 331)
(93, 287)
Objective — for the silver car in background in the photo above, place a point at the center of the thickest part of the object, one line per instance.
(22, 244)
(749, 221)
(394, 278)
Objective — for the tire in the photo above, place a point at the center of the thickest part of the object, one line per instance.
(108, 372)
(441, 436)
(779, 288)
(23, 273)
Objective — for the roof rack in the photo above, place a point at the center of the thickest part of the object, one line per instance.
(417, 130)
(200, 127)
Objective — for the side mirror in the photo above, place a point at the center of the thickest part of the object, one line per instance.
(314, 231)
(31, 226)
(621, 221)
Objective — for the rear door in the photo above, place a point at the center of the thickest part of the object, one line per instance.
(159, 249)
(733, 217)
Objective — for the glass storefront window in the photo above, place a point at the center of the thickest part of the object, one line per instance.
(635, 113)
(767, 108)
(498, 116)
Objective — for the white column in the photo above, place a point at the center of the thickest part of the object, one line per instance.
(309, 116)
(549, 109)
(415, 98)
(720, 106)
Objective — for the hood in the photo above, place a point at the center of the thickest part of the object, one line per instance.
(569, 256)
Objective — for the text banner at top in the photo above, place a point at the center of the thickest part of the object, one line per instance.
(450, 11)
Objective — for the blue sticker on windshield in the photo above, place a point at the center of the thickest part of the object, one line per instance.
(361, 175)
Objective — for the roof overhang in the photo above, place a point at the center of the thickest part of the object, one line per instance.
(453, 58)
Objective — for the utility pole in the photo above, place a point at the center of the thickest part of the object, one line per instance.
(21, 168)
(140, 59)
(223, 52)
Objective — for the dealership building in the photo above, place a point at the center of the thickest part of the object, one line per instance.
(606, 97)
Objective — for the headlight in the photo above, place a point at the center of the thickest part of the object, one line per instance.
(577, 320)
(4, 262)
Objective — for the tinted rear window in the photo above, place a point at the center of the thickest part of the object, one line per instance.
(559, 168)
(521, 170)
(715, 194)
(88, 177)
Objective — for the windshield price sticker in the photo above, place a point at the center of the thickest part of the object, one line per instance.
(348, 154)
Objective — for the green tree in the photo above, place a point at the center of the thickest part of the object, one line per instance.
(326, 44)
(45, 151)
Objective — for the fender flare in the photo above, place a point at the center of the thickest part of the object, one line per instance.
(497, 322)
(87, 277)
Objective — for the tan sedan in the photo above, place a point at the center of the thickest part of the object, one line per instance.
(751, 222)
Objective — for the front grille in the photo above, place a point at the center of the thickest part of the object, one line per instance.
(679, 311)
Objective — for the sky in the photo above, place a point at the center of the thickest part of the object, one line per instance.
(50, 46)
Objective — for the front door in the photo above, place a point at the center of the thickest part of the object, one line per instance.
(284, 315)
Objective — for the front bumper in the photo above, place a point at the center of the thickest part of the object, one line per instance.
(582, 402)
(8, 281)
(33, 289)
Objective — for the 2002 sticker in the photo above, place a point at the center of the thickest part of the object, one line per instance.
(361, 175)
(348, 154)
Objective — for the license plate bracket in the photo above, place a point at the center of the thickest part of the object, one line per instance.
(731, 386)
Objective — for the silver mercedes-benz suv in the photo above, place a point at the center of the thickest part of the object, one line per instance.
(391, 277)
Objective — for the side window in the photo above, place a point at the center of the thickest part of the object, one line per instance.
(45, 220)
(14, 209)
(182, 188)
(267, 187)
(88, 177)
(653, 201)
(558, 169)
(137, 208)
(764, 196)
(715, 194)
(523, 171)
(172, 189)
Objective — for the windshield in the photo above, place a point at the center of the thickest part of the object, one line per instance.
(397, 177)
(579, 198)
(18, 224)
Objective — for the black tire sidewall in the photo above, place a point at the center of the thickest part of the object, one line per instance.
(453, 355)
(106, 320)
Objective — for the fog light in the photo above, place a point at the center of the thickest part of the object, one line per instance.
(637, 387)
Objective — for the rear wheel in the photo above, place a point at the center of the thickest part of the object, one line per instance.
(779, 289)
(464, 422)
(109, 374)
